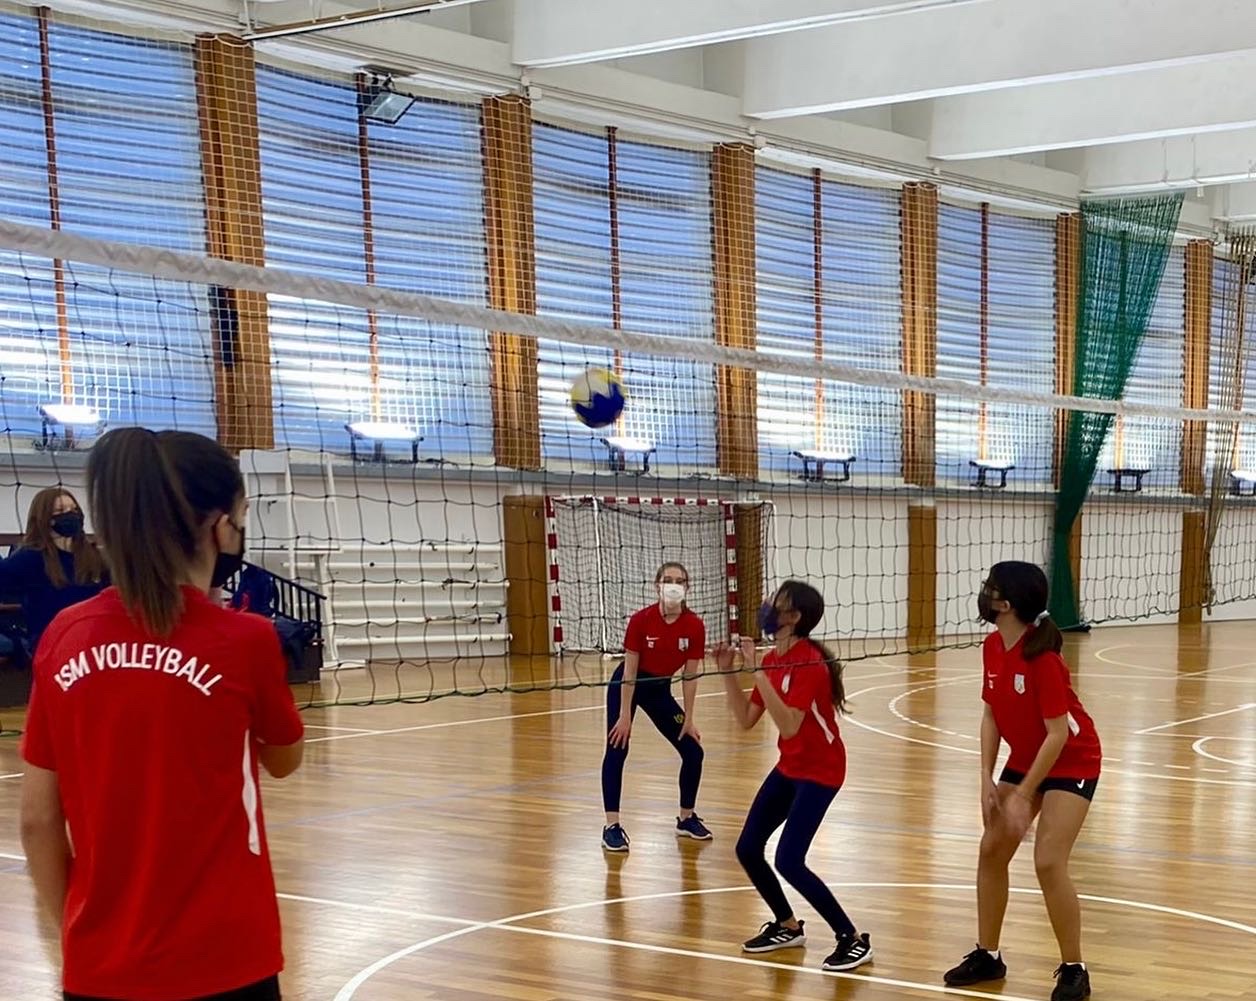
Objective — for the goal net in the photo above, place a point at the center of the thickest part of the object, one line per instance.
(604, 553)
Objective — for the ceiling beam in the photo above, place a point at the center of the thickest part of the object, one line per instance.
(1237, 202)
(1207, 96)
(947, 51)
(1161, 164)
(565, 32)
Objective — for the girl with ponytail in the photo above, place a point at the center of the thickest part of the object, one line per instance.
(1051, 773)
(151, 710)
(800, 687)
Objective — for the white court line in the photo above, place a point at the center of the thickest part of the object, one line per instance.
(13, 775)
(347, 992)
(347, 729)
(1240, 783)
(1198, 748)
(893, 707)
(1168, 672)
(1196, 719)
(599, 706)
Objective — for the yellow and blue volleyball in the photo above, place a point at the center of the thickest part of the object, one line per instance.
(598, 397)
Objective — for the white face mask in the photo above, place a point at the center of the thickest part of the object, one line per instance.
(672, 594)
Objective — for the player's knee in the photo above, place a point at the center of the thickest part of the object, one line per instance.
(997, 847)
(791, 866)
(1050, 865)
(749, 850)
(691, 751)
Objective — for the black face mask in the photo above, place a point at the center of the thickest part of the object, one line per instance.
(985, 607)
(227, 565)
(68, 525)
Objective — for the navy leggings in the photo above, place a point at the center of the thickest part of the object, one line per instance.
(653, 695)
(800, 806)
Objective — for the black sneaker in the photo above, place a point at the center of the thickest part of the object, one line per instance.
(615, 838)
(1072, 983)
(773, 936)
(851, 951)
(978, 966)
(692, 827)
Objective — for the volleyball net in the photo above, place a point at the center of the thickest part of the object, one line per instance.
(384, 440)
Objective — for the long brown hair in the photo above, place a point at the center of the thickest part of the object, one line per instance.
(1024, 587)
(88, 566)
(809, 604)
(151, 494)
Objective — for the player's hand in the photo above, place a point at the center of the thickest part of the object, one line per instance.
(723, 655)
(1017, 812)
(620, 732)
(690, 729)
(990, 805)
(749, 654)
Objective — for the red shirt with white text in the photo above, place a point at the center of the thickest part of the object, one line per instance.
(154, 742)
(1023, 694)
(801, 678)
(663, 647)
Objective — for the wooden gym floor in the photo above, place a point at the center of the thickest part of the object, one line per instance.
(450, 850)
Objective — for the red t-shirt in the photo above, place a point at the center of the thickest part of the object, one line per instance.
(665, 647)
(1023, 694)
(816, 752)
(154, 743)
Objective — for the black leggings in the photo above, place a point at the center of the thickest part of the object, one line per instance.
(800, 806)
(654, 696)
(263, 990)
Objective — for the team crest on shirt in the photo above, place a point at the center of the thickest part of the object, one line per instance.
(684, 642)
(1018, 683)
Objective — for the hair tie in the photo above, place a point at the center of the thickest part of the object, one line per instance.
(1044, 614)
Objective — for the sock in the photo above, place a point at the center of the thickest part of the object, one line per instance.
(994, 953)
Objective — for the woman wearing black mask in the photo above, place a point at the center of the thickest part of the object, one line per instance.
(56, 565)
(1052, 773)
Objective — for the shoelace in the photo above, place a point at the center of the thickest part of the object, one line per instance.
(1069, 971)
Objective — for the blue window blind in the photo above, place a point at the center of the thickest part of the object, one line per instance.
(1225, 291)
(29, 365)
(663, 199)
(129, 169)
(1020, 279)
(860, 317)
(427, 209)
(428, 231)
(128, 159)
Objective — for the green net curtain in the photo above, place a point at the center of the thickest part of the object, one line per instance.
(1125, 243)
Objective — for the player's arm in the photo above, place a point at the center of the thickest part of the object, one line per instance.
(632, 664)
(277, 724)
(746, 708)
(989, 743)
(281, 760)
(44, 839)
(1048, 754)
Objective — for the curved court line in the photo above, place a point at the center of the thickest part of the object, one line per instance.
(510, 924)
(1170, 672)
(1241, 783)
(892, 705)
(1198, 748)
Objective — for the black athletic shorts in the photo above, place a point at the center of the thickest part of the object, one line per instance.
(1085, 788)
(263, 990)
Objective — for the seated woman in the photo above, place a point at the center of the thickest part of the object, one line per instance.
(56, 565)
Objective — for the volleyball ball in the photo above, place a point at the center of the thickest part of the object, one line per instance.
(598, 397)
